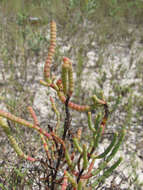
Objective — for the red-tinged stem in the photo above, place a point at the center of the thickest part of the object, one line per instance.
(58, 88)
(23, 122)
(58, 139)
(86, 176)
(36, 123)
(31, 159)
(65, 182)
(52, 85)
(33, 114)
(81, 108)
(91, 166)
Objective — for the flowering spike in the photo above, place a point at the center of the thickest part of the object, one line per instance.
(33, 114)
(59, 84)
(71, 82)
(50, 52)
(72, 105)
(68, 75)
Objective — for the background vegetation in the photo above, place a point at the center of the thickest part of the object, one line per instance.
(85, 27)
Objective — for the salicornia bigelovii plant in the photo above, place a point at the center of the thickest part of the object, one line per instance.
(71, 162)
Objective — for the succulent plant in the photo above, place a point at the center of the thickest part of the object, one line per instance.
(74, 159)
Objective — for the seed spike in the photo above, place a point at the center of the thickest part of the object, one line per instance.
(50, 52)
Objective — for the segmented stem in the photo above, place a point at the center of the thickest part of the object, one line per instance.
(67, 77)
(13, 142)
(81, 108)
(24, 122)
(50, 52)
(56, 112)
(36, 123)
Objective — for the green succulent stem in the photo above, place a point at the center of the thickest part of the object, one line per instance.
(107, 173)
(117, 146)
(71, 179)
(85, 157)
(90, 125)
(108, 149)
(13, 142)
(77, 145)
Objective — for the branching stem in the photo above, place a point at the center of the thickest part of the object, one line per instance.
(60, 153)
